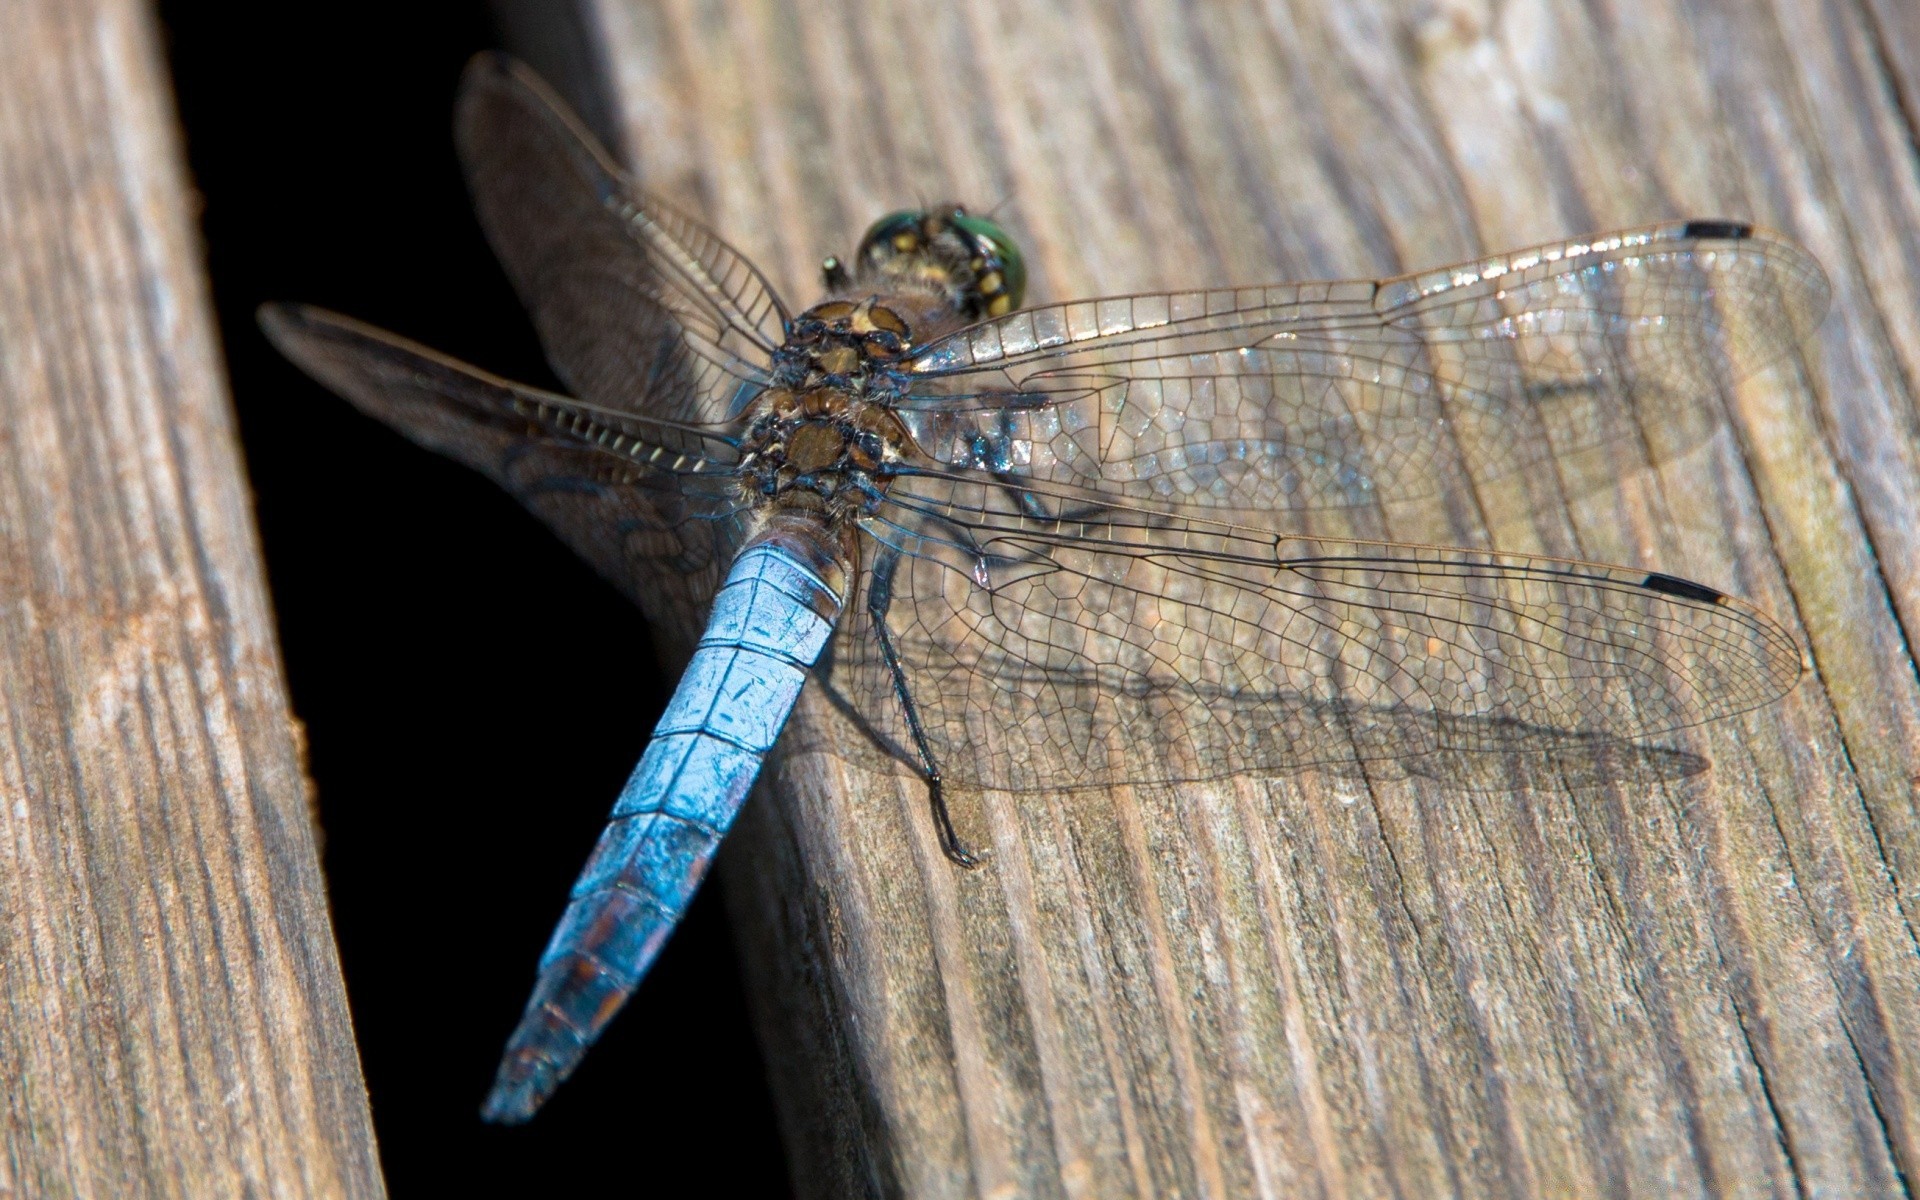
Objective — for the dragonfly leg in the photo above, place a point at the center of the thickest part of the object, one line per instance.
(991, 455)
(1028, 502)
(879, 600)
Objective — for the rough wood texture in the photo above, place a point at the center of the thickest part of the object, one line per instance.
(1294, 987)
(173, 1022)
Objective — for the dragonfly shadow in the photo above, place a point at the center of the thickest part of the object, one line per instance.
(1504, 756)
(1365, 745)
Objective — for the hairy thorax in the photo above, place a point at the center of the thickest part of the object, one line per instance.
(822, 441)
(822, 438)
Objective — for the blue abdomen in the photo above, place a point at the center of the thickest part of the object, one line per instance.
(770, 620)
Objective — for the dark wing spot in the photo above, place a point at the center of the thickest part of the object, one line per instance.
(1686, 589)
(1729, 230)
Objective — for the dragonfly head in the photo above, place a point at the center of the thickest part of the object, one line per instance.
(969, 259)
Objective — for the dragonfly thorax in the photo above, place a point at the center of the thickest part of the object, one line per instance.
(823, 449)
(841, 344)
(822, 438)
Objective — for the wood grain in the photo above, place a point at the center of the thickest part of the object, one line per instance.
(173, 1020)
(1298, 986)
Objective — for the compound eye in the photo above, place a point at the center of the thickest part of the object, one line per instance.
(1003, 277)
(896, 233)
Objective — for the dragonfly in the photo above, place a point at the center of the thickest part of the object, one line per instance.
(1069, 532)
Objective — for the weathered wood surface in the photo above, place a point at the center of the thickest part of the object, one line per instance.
(174, 1022)
(1297, 987)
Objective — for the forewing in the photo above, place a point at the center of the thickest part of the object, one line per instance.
(1261, 402)
(1046, 653)
(640, 308)
(650, 505)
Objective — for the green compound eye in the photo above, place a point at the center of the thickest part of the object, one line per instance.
(1003, 261)
(945, 240)
(895, 233)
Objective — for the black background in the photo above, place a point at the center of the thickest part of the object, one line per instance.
(473, 695)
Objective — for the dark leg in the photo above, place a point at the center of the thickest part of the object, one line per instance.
(991, 454)
(879, 600)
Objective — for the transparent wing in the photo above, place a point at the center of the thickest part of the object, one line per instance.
(640, 308)
(628, 494)
(1067, 646)
(1269, 400)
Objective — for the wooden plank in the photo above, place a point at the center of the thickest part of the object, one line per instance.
(1300, 986)
(173, 1020)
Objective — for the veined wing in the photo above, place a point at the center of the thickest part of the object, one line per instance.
(648, 503)
(1067, 646)
(1270, 400)
(641, 309)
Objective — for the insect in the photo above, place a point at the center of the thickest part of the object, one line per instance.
(1070, 530)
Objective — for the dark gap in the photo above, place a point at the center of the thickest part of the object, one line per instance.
(473, 695)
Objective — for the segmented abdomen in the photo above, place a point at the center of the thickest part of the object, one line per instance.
(770, 620)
